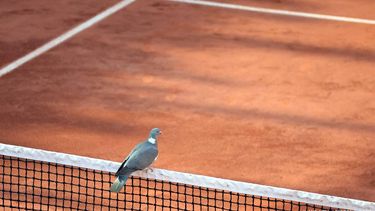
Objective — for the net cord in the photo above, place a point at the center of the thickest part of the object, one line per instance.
(190, 179)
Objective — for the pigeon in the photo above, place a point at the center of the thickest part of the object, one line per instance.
(142, 156)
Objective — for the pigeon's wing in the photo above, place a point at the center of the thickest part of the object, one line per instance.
(119, 169)
(143, 157)
(126, 159)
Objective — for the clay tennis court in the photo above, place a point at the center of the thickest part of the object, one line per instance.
(268, 99)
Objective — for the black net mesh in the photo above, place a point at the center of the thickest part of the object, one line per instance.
(35, 185)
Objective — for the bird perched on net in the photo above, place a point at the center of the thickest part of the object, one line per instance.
(141, 157)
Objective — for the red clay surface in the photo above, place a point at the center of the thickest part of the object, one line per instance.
(280, 101)
(26, 25)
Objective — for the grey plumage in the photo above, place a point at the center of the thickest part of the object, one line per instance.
(142, 156)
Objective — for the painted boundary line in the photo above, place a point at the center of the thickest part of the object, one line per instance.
(67, 35)
(190, 179)
(278, 12)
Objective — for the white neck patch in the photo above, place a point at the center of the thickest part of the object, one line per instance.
(152, 140)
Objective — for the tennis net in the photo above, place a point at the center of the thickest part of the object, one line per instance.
(33, 179)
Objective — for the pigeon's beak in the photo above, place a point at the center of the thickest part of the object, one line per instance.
(160, 132)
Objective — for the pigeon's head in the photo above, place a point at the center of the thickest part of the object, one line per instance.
(155, 133)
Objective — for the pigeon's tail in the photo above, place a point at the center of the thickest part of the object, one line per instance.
(119, 183)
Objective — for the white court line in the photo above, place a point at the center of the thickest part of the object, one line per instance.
(53, 43)
(278, 12)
